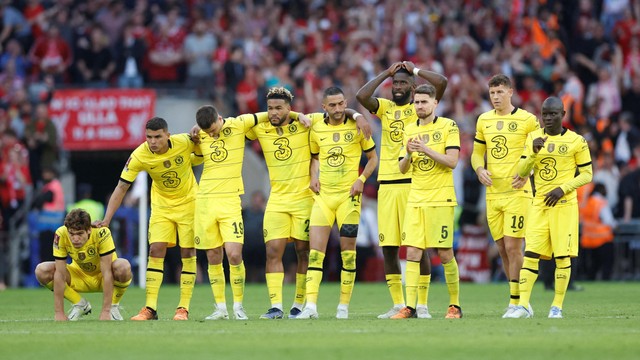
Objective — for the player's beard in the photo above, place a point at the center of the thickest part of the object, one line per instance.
(403, 99)
(280, 122)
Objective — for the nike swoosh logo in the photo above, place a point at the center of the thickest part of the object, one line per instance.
(323, 139)
(153, 167)
(486, 127)
(441, 241)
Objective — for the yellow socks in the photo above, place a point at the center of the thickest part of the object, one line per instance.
(155, 273)
(394, 282)
(452, 277)
(528, 277)
(119, 288)
(237, 278)
(69, 294)
(563, 274)
(187, 281)
(423, 289)
(347, 276)
(274, 286)
(301, 289)
(314, 275)
(411, 283)
(217, 281)
(514, 292)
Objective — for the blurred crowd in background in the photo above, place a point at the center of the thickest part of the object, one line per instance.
(230, 53)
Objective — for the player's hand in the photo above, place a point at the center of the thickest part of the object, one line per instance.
(518, 182)
(304, 120)
(484, 176)
(105, 314)
(394, 67)
(99, 224)
(61, 317)
(409, 66)
(538, 144)
(363, 126)
(357, 188)
(315, 186)
(195, 130)
(552, 197)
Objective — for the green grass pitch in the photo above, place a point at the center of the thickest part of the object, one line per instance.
(601, 322)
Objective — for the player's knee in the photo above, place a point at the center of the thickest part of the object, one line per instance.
(563, 262)
(44, 272)
(235, 258)
(121, 269)
(349, 230)
(446, 255)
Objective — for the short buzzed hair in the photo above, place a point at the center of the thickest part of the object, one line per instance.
(157, 123)
(426, 89)
(332, 90)
(206, 116)
(280, 93)
(500, 79)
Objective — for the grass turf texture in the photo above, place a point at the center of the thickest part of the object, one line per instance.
(601, 322)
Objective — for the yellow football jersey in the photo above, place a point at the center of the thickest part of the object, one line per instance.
(87, 257)
(223, 156)
(504, 138)
(173, 179)
(286, 152)
(339, 149)
(556, 163)
(394, 119)
(431, 182)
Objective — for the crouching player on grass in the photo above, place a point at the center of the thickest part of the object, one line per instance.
(94, 267)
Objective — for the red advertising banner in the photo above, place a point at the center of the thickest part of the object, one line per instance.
(109, 119)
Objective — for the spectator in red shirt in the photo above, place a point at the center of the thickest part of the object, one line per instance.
(51, 55)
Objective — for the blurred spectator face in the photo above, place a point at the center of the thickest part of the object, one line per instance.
(424, 105)
(199, 27)
(14, 48)
(53, 32)
(258, 200)
(402, 87)
(335, 105)
(278, 111)
(42, 112)
(158, 140)
(97, 37)
(500, 97)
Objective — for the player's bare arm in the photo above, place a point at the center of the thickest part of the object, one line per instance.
(59, 282)
(361, 122)
(365, 94)
(437, 80)
(314, 168)
(552, 197)
(114, 203)
(107, 286)
(405, 162)
(372, 162)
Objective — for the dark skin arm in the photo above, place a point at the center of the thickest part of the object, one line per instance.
(438, 81)
(365, 94)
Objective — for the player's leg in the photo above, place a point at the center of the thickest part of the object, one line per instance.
(274, 274)
(44, 274)
(302, 255)
(414, 239)
(422, 308)
(563, 226)
(495, 221)
(276, 230)
(440, 222)
(322, 218)
(184, 221)
(300, 234)
(514, 228)
(217, 281)
(348, 234)
(121, 269)
(232, 232)
(392, 202)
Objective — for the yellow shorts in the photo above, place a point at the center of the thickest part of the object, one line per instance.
(83, 282)
(290, 224)
(218, 221)
(553, 231)
(428, 227)
(329, 208)
(392, 205)
(165, 224)
(507, 217)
